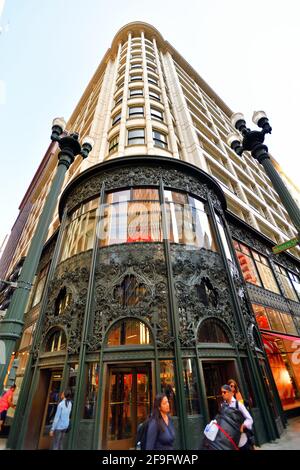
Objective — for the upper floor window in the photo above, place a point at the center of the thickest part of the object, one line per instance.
(39, 287)
(295, 280)
(135, 77)
(154, 95)
(286, 283)
(134, 92)
(63, 301)
(157, 114)
(136, 66)
(118, 99)
(153, 80)
(136, 136)
(116, 118)
(113, 144)
(255, 267)
(56, 341)
(160, 139)
(136, 111)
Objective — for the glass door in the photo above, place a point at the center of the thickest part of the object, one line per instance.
(128, 404)
(53, 399)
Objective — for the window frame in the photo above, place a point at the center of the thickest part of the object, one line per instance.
(130, 139)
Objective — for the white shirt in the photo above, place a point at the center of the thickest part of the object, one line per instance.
(248, 420)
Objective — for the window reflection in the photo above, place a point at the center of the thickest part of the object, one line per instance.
(129, 332)
(191, 387)
(167, 380)
(130, 291)
(91, 391)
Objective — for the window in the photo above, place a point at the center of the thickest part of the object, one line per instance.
(133, 92)
(154, 95)
(128, 333)
(255, 268)
(295, 280)
(136, 66)
(261, 317)
(135, 77)
(62, 302)
(91, 390)
(157, 114)
(136, 136)
(79, 233)
(39, 287)
(56, 341)
(113, 144)
(211, 331)
(167, 383)
(136, 111)
(151, 68)
(286, 283)
(118, 99)
(275, 320)
(160, 140)
(152, 80)
(130, 291)
(191, 387)
(116, 118)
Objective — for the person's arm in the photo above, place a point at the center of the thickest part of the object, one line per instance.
(10, 402)
(56, 418)
(248, 418)
(152, 433)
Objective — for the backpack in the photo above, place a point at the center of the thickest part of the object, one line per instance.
(141, 435)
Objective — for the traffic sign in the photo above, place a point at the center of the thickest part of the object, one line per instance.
(286, 245)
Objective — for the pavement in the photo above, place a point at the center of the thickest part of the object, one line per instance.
(289, 439)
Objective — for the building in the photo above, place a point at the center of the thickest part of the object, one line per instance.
(158, 272)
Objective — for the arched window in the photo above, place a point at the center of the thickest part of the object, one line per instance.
(56, 341)
(130, 291)
(62, 302)
(206, 293)
(129, 332)
(211, 331)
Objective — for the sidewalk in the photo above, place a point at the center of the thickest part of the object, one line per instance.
(289, 440)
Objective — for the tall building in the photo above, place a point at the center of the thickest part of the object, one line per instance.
(162, 275)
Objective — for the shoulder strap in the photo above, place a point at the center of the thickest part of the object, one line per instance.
(236, 404)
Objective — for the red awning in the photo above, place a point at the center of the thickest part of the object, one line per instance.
(280, 335)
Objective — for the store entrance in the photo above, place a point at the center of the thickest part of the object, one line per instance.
(216, 374)
(52, 400)
(127, 403)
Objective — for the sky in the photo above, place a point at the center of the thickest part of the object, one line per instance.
(248, 52)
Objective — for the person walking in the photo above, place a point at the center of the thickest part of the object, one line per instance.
(229, 400)
(61, 420)
(235, 389)
(161, 432)
(6, 402)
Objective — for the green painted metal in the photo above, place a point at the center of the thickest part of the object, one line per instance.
(12, 325)
(285, 196)
(18, 430)
(80, 382)
(257, 383)
(174, 325)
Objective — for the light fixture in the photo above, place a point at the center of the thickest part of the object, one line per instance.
(235, 118)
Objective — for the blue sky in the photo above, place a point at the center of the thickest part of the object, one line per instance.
(49, 49)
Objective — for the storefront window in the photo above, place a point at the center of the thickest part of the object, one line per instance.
(129, 332)
(288, 323)
(79, 233)
(91, 391)
(261, 317)
(275, 320)
(286, 283)
(72, 378)
(265, 272)
(191, 387)
(167, 380)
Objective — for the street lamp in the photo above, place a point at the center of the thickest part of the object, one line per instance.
(12, 324)
(253, 141)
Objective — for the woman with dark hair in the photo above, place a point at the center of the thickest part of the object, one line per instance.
(61, 420)
(161, 432)
(235, 390)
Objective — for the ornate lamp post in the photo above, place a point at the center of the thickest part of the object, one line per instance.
(12, 325)
(253, 141)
